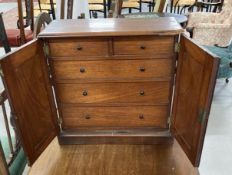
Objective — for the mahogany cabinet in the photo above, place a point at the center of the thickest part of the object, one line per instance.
(111, 81)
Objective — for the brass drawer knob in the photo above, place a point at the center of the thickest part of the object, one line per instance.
(79, 48)
(85, 93)
(142, 93)
(142, 47)
(87, 117)
(142, 69)
(141, 116)
(82, 69)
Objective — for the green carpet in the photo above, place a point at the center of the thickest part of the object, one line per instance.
(19, 163)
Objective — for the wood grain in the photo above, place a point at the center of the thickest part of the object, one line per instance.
(112, 69)
(108, 117)
(79, 47)
(131, 136)
(27, 83)
(113, 159)
(196, 77)
(112, 27)
(154, 93)
(143, 45)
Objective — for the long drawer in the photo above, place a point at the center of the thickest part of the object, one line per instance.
(79, 47)
(95, 93)
(146, 46)
(130, 116)
(112, 69)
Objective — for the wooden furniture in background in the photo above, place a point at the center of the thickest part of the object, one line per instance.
(98, 6)
(41, 22)
(69, 9)
(131, 4)
(47, 6)
(179, 6)
(125, 98)
(150, 4)
(3, 36)
(160, 6)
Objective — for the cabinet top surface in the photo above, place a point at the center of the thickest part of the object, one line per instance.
(111, 27)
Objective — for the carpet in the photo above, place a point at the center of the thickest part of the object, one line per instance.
(19, 163)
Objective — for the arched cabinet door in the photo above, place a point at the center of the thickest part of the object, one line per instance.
(26, 80)
(195, 82)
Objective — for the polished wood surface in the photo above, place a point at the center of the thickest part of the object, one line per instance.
(108, 117)
(113, 160)
(79, 47)
(196, 78)
(151, 45)
(27, 84)
(104, 80)
(127, 136)
(111, 27)
(26, 74)
(112, 69)
(105, 93)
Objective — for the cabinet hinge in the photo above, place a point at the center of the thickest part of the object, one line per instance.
(46, 49)
(177, 47)
(169, 121)
(1, 72)
(202, 116)
(60, 121)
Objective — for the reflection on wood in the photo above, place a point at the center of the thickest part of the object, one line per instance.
(113, 160)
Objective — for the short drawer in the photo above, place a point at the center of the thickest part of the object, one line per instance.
(131, 116)
(78, 47)
(112, 69)
(146, 46)
(94, 93)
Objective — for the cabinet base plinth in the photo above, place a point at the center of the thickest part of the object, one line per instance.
(134, 136)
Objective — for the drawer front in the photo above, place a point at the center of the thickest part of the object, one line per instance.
(112, 69)
(139, 116)
(145, 46)
(93, 93)
(78, 47)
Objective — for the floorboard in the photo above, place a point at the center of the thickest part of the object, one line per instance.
(113, 160)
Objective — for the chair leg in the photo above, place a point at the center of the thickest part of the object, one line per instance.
(227, 80)
(95, 15)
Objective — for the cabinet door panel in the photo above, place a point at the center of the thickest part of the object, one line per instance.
(27, 83)
(196, 76)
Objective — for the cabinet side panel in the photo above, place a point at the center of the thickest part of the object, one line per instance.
(196, 77)
(27, 83)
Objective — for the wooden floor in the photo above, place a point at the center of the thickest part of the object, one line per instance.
(113, 160)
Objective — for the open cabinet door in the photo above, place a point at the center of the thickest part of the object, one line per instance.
(195, 82)
(30, 95)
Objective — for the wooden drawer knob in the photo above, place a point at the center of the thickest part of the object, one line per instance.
(82, 69)
(141, 116)
(142, 47)
(85, 93)
(142, 69)
(141, 92)
(87, 117)
(79, 48)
